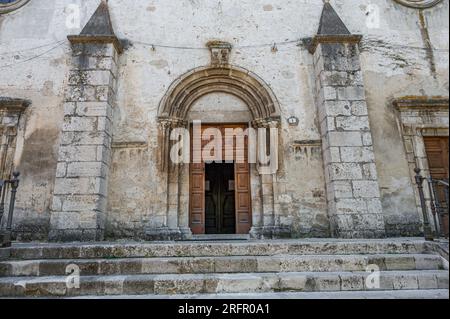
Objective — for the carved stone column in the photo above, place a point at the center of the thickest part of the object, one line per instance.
(269, 225)
(173, 228)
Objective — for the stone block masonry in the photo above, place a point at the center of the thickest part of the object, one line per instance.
(80, 194)
(353, 193)
(352, 185)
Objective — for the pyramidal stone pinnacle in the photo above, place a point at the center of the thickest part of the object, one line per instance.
(99, 29)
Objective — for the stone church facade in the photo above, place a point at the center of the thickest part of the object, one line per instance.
(354, 89)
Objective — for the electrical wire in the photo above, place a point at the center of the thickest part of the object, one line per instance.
(30, 49)
(32, 58)
(272, 44)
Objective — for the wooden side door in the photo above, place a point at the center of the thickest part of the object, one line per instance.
(437, 149)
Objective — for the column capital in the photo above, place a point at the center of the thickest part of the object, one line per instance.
(267, 123)
(167, 122)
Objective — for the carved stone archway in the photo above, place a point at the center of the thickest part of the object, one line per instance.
(173, 113)
(233, 80)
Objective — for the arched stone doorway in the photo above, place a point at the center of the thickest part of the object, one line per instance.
(174, 112)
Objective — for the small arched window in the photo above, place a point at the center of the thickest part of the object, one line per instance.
(11, 5)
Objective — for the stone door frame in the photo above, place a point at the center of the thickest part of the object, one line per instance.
(419, 117)
(173, 113)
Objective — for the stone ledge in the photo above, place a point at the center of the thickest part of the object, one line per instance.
(13, 104)
(422, 103)
(77, 39)
(333, 39)
(76, 235)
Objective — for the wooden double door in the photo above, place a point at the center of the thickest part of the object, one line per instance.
(220, 190)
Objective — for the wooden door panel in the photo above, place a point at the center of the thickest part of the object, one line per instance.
(242, 182)
(243, 207)
(243, 201)
(197, 198)
(243, 218)
(437, 152)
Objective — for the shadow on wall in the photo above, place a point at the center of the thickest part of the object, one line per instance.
(38, 167)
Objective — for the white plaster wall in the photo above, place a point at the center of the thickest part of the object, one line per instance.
(394, 64)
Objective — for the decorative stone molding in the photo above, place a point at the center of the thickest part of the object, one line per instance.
(220, 52)
(239, 82)
(13, 5)
(339, 38)
(173, 112)
(419, 4)
(13, 105)
(423, 103)
(11, 111)
(417, 117)
(267, 123)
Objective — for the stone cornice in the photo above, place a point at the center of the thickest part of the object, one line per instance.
(421, 103)
(13, 105)
(333, 38)
(77, 39)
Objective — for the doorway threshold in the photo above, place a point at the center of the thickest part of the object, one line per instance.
(219, 237)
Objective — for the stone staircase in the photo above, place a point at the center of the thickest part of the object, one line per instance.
(229, 269)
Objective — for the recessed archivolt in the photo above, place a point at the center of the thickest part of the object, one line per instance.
(419, 4)
(12, 5)
(245, 85)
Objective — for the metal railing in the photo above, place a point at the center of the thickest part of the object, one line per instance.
(436, 203)
(6, 226)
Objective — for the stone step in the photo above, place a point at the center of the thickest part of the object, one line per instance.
(384, 294)
(230, 264)
(210, 249)
(219, 283)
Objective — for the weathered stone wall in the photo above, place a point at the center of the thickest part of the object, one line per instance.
(396, 60)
